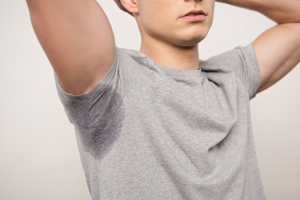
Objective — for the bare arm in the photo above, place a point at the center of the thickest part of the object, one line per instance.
(77, 39)
(277, 49)
(280, 11)
(278, 52)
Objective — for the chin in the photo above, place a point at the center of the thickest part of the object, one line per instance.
(192, 40)
(184, 42)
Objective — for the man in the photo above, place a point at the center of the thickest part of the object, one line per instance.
(159, 123)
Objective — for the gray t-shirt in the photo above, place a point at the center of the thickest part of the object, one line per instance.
(150, 132)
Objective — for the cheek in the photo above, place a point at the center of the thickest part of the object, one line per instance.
(158, 15)
(159, 24)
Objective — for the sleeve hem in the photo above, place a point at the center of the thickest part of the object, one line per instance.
(253, 70)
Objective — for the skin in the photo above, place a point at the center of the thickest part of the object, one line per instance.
(73, 37)
(168, 40)
(278, 48)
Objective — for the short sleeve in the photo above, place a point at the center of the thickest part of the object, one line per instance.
(88, 109)
(250, 69)
(243, 62)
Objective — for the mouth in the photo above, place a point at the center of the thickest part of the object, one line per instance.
(195, 12)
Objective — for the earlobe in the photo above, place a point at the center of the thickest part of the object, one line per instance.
(130, 6)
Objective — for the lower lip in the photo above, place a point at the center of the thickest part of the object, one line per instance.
(193, 18)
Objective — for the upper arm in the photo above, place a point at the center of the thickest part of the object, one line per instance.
(278, 52)
(77, 39)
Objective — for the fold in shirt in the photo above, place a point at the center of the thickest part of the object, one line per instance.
(150, 132)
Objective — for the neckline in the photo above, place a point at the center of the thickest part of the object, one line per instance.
(170, 71)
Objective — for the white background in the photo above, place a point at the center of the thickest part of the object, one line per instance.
(38, 149)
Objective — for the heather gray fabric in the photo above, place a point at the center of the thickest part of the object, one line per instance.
(151, 132)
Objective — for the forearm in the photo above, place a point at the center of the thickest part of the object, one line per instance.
(280, 11)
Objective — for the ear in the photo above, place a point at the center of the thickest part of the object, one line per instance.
(130, 6)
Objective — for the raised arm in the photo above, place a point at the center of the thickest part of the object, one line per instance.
(278, 48)
(77, 38)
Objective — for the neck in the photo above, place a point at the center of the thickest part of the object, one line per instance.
(171, 56)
